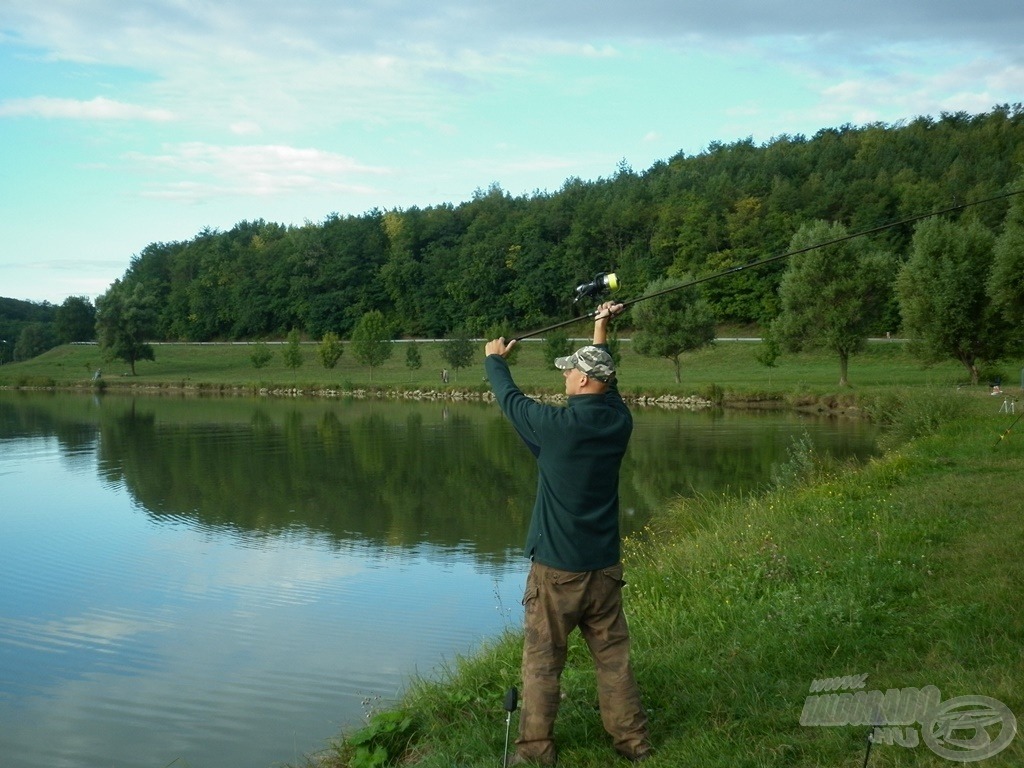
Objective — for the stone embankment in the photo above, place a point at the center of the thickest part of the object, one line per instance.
(691, 402)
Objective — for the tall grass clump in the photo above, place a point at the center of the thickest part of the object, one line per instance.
(803, 464)
(905, 414)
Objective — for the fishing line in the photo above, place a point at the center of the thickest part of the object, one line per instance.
(769, 260)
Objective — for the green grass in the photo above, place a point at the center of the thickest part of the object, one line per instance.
(906, 570)
(729, 367)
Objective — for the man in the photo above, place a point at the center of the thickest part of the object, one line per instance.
(575, 578)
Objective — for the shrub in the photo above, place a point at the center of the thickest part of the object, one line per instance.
(261, 354)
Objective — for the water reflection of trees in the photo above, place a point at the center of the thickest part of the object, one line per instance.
(373, 477)
(382, 473)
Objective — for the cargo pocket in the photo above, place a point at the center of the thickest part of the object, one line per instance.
(615, 574)
(530, 595)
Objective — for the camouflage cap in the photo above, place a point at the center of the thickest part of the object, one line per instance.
(592, 361)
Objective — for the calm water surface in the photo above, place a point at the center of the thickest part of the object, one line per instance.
(229, 582)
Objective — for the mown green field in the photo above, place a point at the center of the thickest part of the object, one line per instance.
(730, 366)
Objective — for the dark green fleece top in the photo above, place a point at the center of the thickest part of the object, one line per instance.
(579, 449)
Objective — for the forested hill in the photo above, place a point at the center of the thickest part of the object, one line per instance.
(512, 262)
(15, 317)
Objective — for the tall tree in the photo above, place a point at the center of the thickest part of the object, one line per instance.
(371, 339)
(677, 321)
(943, 300)
(458, 351)
(126, 316)
(292, 350)
(1006, 283)
(832, 297)
(329, 350)
(413, 358)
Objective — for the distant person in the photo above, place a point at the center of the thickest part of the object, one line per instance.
(576, 575)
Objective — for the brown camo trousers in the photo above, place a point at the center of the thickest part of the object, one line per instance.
(556, 602)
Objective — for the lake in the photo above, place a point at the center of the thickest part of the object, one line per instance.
(229, 582)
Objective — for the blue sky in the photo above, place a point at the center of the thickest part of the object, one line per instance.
(127, 122)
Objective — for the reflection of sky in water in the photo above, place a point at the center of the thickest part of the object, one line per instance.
(265, 574)
(124, 642)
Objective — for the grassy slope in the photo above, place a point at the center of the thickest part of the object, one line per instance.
(907, 570)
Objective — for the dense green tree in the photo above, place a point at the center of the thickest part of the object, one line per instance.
(15, 316)
(329, 350)
(1006, 282)
(942, 291)
(479, 285)
(401, 274)
(263, 259)
(126, 316)
(75, 320)
(371, 339)
(336, 276)
(832, 297)
(676, 321)
(34, 339)
(752, 232)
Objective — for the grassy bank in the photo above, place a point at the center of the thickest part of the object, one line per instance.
(907, 571)
(727, 368)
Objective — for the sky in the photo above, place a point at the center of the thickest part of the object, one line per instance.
(130, 122)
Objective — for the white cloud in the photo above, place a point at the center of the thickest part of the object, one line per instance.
(246, 128)
(260, 67)
(98, 108)
(969, 85)
(201, 171)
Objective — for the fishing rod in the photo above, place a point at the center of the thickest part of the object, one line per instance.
(609, 281)
(1008, 430)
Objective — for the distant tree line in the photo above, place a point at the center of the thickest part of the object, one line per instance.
(503, 262)
(28, 329)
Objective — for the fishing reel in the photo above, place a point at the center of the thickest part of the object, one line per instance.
(603, 281)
